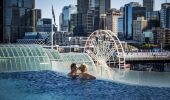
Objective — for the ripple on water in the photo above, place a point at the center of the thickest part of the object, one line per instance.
(56, 86)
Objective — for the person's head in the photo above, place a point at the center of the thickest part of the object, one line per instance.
(83, 67)
(73, 67)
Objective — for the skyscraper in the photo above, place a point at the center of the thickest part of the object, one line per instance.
(66, 15)
(153, 19)
(37, 15)
(91, 15)
(104, 6)
(85, 17)
(120, 28)
(112, 20)
(18, 18)
(139, 26)
(165, 15)
(72, 23)
(1, 21)
(149, 4)
(131, 12)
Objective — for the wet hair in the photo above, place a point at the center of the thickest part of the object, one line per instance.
(82, 67)
(73, 65)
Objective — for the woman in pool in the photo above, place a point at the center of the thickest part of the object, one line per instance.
(73, 72)
(84, 75)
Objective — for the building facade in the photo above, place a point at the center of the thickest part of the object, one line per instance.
(73, 23)
(161, 37)
(38, 15)
(61, 21)
(87, 11)
(18, 18)
(66, 16)
(112, 16)
(104, 6)
(139, 26)
(153, 19)
(1, 21)
(131, 12)
(61, 38)
(91, 15)
(44, 25)
(165, 15)
(149, 4)
(148, 37)
(120, 28)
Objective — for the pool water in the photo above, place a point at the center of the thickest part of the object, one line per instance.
(49, 85)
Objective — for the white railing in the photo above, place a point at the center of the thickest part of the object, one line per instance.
(147, 55)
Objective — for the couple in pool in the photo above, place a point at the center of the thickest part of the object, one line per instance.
(82, 75)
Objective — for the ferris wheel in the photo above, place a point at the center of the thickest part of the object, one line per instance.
(103, 46)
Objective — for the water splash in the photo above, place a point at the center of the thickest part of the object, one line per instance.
(103, 70)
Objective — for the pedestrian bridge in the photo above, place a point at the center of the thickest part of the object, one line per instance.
(140, 56)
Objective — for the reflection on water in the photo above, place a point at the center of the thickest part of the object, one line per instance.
(47, 85)
(156, 79)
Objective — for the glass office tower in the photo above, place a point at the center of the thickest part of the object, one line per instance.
(66, 16)
(149, 4)
(131, 12)
(104, 6)
(165, 16)
(18, 18)
(153, 19)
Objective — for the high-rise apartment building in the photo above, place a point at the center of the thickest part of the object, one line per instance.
(161, 37)
(131, 12)
(91, 15)
(149, 4)
(139, 26)
(112, 16)
(85, 18)
(18, 18)
(165, 15)
(104, 6)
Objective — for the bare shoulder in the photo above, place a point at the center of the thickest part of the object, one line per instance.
(88, 76)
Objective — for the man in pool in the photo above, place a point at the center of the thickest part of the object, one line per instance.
(84, 75)
(73, 72)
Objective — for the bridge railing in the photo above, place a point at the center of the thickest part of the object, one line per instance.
(147, 55)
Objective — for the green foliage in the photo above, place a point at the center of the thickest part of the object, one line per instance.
(148, 46)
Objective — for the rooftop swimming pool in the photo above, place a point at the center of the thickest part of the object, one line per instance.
(49, 85)
(24, 76)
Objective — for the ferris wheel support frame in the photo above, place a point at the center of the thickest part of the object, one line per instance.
(117, 43)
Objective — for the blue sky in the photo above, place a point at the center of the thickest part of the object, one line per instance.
(46, 5)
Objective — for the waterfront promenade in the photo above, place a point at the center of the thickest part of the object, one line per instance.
(140, 56)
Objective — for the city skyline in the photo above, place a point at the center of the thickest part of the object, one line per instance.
(46, 6)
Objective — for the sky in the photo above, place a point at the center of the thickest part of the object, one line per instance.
(46, 6)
